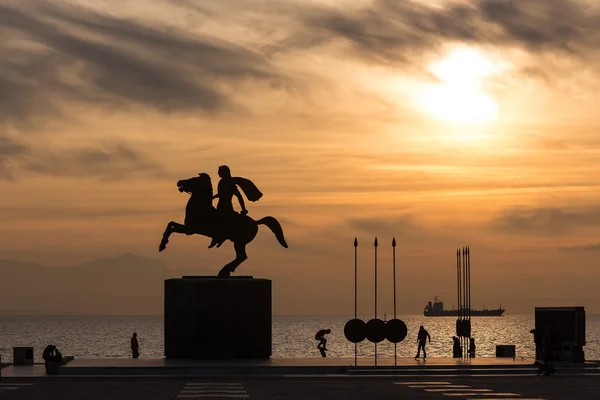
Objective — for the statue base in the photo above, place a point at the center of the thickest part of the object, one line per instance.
(219, 318)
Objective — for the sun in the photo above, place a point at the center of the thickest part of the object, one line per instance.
(459, 97)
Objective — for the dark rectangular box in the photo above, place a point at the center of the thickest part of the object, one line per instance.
(505, 350)
(565, 324)
(23, 355)
(222, 318)
(565, 328)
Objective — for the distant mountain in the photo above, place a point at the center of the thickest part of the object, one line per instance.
(123, 285)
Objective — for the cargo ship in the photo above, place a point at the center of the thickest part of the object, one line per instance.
(436, 309)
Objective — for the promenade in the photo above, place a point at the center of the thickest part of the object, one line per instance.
(274, 366)
(522, 387)
(159, 379)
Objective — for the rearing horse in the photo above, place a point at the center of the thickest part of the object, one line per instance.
(203, 219)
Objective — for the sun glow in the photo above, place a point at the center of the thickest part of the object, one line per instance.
(459, 96)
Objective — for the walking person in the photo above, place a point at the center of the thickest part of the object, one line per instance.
(539, 347)
(135, 347)
(422, 340)
(456, 349)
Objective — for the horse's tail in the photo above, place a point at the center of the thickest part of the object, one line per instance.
(274, 226)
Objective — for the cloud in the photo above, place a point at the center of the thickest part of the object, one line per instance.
(9, 150)
(404, 226)
(49, 212)
(10, 147)
(69, 52)
(577, 249)
(110, 161)
(392, 31)
(546, 220)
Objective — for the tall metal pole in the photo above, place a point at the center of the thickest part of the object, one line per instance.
(394, 264)
(355, 295)
(469, 290)
(375, 245)
(458, 281)
(464, 271)
(469, 263)
(458, 294)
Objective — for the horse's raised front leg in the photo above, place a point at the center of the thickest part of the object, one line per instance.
(172, 227)
(240, 257)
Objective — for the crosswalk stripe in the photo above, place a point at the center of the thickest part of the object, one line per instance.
(15, 384)
(436, 386)
(198, 396)
(213, 391)
(234, 388)
(198, 390)
(464, 394)
(467, 389)
(213, 384)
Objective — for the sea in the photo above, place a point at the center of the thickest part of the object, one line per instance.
(293, 336)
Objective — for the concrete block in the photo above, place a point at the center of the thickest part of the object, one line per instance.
(221, 318)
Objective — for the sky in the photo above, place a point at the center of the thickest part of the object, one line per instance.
(442, 124)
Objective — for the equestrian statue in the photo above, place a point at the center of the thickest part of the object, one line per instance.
(221, 223)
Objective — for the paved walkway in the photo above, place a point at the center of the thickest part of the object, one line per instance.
(276, 362)
(161, 366)
(297, 388)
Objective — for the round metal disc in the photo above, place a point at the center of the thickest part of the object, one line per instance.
(355, 330)
(395, 330)
(375, 330)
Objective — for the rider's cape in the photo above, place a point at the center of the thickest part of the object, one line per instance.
(249, 188)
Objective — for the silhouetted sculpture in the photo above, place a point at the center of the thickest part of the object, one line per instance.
(422, 340)
(472, 347)
(222, 223)
(135, 347)
(320, 336)
(456, 349)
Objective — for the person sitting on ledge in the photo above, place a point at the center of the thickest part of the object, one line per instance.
(58, 358)
(52, 356)
(48, 355)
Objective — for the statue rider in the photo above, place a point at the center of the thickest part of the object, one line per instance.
(226, 189)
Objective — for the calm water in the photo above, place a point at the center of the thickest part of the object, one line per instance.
(293, 337)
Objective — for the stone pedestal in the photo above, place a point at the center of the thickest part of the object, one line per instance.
(209, 317)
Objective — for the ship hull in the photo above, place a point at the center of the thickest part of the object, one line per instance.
(473, 313)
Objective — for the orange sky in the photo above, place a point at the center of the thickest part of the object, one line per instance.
(445, 125)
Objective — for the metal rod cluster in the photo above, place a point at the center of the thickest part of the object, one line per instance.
(374, 330)
(463, 284)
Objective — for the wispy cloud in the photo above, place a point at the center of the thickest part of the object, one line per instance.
(577, 249)
(65, 51)
(388, 30)
(112, 161)
(547, 220)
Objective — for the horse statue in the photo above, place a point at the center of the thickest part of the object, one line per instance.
(203, 219)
